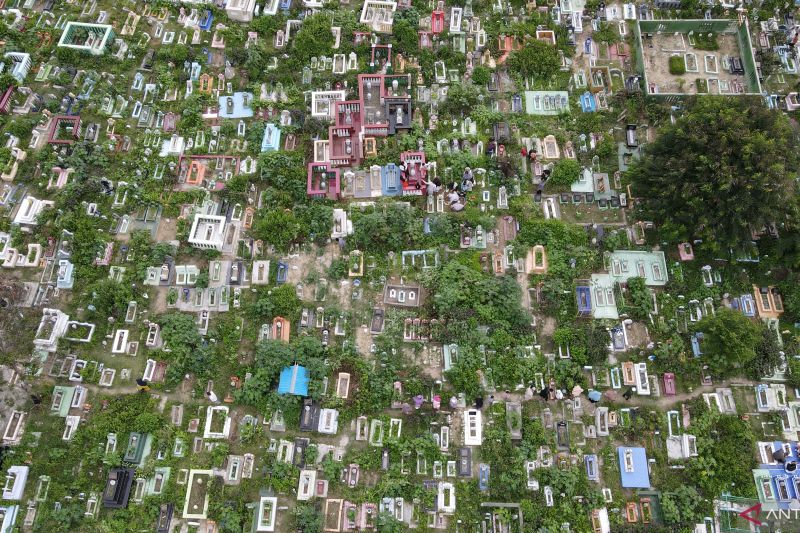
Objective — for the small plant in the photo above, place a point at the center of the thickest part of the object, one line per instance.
(677, 66)
(249, 433)
(337, 270)
(202, 280)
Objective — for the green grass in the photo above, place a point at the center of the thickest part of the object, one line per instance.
(218, 421)
(705, 41)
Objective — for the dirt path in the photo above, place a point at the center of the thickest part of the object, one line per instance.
(662, 402)
(181, 394)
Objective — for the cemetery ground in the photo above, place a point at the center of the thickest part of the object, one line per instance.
(446, 266)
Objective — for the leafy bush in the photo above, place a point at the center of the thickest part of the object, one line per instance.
(389, 229)
(337, 270)
(188, 354)
(606, 34)
(794, 373)
(730, 341)
(536, 59)
(279, 301)
(565, 173)
(677, 66)
(406, 38)
(461, 293)
(314, 38)
(461, 99)
(278, 228)
(639, 301)
(481, 75)
(552, 233)
(202, 280)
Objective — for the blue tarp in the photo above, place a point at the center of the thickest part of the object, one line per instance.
(294, 380)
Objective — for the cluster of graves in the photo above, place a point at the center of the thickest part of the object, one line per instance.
(163, 99)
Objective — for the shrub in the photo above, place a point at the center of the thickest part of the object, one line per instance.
(481, 75)
(337, 270)
(677, 66)
(536, 60)
(565, 173)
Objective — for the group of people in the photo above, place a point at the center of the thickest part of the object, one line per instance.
(457, 193)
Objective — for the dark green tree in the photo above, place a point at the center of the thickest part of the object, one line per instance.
(768, 355)
(406, 37)
(314, 39)
(726, 167)
(277, 227)
(596, 344)
(729, 341)
(536, 59)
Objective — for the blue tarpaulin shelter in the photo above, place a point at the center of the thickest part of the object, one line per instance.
(294, 380)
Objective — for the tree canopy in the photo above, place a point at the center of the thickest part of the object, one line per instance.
(461, 291)
(314, 37)
(726, 167)
(729, 340)
(536, 59)
(188, 352)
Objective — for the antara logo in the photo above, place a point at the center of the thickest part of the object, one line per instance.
(751, 514)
